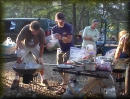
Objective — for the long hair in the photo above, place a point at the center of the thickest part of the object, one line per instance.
(124, 38)
(121, 33)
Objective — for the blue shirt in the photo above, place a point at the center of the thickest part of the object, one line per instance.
(64, 31)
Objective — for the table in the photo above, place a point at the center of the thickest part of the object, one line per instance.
(79, 70)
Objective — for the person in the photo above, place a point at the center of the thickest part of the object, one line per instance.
(64, 34)
(90, 34)
(123, 51)
(31, 38)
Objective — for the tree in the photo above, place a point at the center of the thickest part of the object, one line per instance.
(79, 14)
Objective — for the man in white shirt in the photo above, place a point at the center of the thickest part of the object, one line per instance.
(90, 34)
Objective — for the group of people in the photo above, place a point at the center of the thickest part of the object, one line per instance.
(32, 39)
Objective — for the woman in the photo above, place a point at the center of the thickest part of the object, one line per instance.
(123, 49)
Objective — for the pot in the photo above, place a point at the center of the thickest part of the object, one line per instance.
(89, 66)
(26, 68)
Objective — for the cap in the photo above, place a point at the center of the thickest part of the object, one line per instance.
(95, 20)
(59, 16)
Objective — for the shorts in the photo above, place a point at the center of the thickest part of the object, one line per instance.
(35, 51)
(62, 57)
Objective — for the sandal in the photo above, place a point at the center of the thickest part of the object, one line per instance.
(60, 91)
(62, 84)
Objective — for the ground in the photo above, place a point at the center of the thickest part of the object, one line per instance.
(53, 77)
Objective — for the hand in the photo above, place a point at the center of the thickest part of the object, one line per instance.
(127, 60)
(115, 61)
(88, 38)
(58, 36)
(19, 60)
(40, 60)
(64, 39)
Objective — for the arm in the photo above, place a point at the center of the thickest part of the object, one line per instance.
(21, 37)
(41, 50)
(88, 38)
(95, 38)
(118, 53)
(119, 49)
(42, 42)
(69, 36)
(67, 39)
(19, 44)
(85, 36)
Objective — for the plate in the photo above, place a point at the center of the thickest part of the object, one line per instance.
(65, 66)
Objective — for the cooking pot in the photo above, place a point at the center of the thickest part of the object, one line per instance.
(89, 66)
(27, 70)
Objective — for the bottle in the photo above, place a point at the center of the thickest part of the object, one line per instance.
(72, 82)
(76, 87)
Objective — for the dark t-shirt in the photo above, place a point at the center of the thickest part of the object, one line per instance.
(64, 31)
(30, 40)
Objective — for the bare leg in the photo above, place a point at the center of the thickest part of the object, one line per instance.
(42, 75)
(42, 70)
(15, 83)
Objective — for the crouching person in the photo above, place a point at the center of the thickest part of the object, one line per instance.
(30, 39)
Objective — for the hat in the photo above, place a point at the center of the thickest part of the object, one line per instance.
(59, 16)
(95, 20)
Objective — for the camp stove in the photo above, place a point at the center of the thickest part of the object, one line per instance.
(28, 71)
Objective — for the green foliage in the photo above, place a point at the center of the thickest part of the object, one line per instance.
(112, 10)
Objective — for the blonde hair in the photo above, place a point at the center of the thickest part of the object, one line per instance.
(121, 33)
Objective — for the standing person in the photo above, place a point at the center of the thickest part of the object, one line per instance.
(64, 33)
(90, 34)
(30, 39)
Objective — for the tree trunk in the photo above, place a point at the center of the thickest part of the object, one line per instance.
(80, 18)
(74, 19)
(87, 18)
(83, 23)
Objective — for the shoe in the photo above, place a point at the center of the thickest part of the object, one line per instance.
(15, 84)
(46, 83)
(63, 84)
(60, 91)
(51, 88)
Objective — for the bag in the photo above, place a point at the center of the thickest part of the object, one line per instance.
(8, 47)
(110, 53)
(76, 54)
(52, 42)
(103, 65)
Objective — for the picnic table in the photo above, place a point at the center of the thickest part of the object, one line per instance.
(79, 70)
